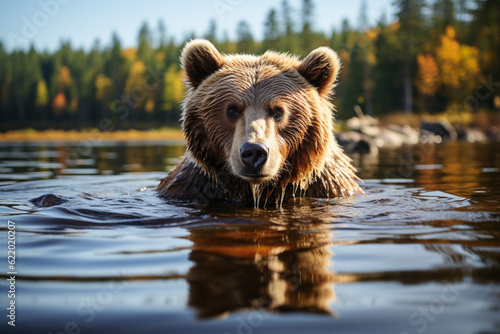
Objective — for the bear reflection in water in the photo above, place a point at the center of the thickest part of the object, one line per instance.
(262, 266)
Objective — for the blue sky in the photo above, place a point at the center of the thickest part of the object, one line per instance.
(45, 22)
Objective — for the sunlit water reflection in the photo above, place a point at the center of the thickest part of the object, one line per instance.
(419, 252)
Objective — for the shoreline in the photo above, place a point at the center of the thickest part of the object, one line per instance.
(29, 135)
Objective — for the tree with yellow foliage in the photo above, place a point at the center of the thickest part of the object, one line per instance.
(135, 77)
(64, 76)
(448, 56)
(428, 80)
(134, 88)
(42, 100)
(42, 94)
(103, 92)
(173, 91)
(103, 87)
(458, 66)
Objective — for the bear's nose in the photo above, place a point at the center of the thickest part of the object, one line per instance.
(254, 155)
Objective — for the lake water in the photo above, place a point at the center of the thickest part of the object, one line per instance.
(418, 253)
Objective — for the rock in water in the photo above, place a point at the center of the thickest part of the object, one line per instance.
(441, 128)
(48, 200)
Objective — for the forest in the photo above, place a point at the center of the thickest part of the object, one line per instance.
(433, 56)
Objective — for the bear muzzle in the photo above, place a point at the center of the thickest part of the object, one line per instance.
(253, 156)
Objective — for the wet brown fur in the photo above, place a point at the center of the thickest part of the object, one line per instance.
(311, 162)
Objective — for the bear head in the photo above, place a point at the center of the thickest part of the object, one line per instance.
(265, 119)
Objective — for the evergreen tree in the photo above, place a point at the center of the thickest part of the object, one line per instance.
(388, 83)
(115, 67)
(5, 84)
(272, 32)
(306, 34)
(162, 34)
(245, 42)
(443, 15)
(366, 52)
(226, 46)
(211, 33)
(486, 32)
(289, 40)
(90, 107)
(411, 22)
(145, 51)
(347, 37)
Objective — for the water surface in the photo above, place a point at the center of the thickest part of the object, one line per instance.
(419, 252)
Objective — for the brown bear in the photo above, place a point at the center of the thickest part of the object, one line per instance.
(258, 129)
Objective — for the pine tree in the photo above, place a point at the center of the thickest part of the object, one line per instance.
(5, 84)
(289, 40)
(115, 67)
(145, 50)
(245, 42)
(306, 34)
(443, 14)
(211, 33)
(411, 20)
(486, 33)
(162, 34)
(388, 83)
(366, 50)
(272, 33)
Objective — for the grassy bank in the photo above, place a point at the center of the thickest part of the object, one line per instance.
(90, 134)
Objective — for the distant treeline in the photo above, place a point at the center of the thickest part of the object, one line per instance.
(434, 57)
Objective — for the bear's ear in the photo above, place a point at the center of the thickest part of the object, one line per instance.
(321, 68)
(199, 59)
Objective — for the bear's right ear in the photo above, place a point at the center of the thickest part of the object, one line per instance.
(199, 59)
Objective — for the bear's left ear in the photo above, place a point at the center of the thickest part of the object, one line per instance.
(321, 68)
(199, 59)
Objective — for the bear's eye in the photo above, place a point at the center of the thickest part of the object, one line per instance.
(233, 112)
(277, 113)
